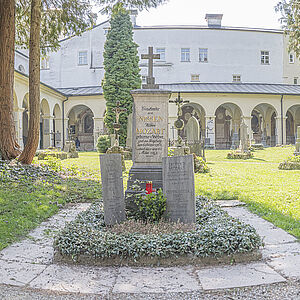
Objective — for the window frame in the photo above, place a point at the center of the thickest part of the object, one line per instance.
(291, 61)
(186, 54)
(235, 77)
(195, 75)
(205, 52)
(164, 53)
(265, 57)
(296, 80)
(78, 60)
(45, 62)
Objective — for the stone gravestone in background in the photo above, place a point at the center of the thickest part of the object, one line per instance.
(112, 188)
(179, 188)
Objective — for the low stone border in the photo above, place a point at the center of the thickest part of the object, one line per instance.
(165, 262)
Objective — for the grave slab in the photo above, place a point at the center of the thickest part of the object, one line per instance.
(179, 188)
(156, 280)
(19, 273)
(112, 188)
(271, 234)
(288, 265)
(227, 277)
(76, 279)
(28, 252)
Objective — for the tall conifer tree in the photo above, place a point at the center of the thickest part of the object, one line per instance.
(121, 64)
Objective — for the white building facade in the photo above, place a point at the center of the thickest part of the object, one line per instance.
(229, 75)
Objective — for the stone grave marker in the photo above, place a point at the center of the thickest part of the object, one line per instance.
(112, 188)
(179, 188)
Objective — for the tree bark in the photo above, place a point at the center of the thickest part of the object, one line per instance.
(34, 84)
(9, 148)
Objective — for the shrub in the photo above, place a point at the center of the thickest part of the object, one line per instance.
(150, 208)
(214, 234)
(103, 143)
(200, 165)
(292, 163)
(57, 154)
(239, 155)
(257, 146)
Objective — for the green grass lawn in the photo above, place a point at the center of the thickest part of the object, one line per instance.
(269, 192)
(27, 199)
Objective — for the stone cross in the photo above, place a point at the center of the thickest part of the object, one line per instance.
(179, 102)
(150, 79)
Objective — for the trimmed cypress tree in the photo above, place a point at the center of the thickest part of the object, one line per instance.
(121, 64)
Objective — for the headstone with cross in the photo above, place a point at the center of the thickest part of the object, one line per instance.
(150, 79)
(179, 124)
(118, 110)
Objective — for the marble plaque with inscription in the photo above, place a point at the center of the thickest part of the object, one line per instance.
(112, 188)
(179, 188)
(150, 127)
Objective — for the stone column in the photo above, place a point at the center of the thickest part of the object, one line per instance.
(279, 130)
(210, 129)
(150, 137)
(98, 129)
(18, 116)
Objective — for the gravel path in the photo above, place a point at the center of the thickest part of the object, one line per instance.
(284, 291)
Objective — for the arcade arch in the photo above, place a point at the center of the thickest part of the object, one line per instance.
(57, 126)
(292, 121)
(193, 116)
(227, 126)
(45, 124)
(25, 119)
(81, 126)
(263, 124)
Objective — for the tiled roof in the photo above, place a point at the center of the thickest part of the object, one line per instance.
(221, 88)
(81, 91)
(233, 88)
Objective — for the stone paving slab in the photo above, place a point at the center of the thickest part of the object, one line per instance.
(28, 252)
(227, 277)
(19, 273)
(230, 203)
(271, 234)
(281, 250)
(288, 266)
(156, 280)
(76, 279)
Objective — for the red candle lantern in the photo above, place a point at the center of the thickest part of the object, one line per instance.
(149, 189)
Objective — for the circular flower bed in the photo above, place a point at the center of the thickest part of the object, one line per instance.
(215, 234)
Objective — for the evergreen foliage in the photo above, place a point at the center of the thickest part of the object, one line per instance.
(121, 64)
(290, 10)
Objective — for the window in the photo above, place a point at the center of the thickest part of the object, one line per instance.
(295, 80)
(82, 58)
(291, 58)
(106, 31)
(144, 79)
(185, 54)
(21, 68)
(265, 57)
(195, 77)
(236, 78)
(203, 55)
(45, 63)
(162, 53)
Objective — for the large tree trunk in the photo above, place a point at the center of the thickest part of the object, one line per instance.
(34, 84)
(9, 148)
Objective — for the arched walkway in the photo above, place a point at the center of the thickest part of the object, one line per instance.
(57, 127)
(193, 116)
(81, 126)
(292, 121)
(264, 124)
(227, 126)
(45, 125)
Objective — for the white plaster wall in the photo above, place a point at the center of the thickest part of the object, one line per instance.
(21, 60)
(229, 52)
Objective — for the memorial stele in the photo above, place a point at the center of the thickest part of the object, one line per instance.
(149, 130)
